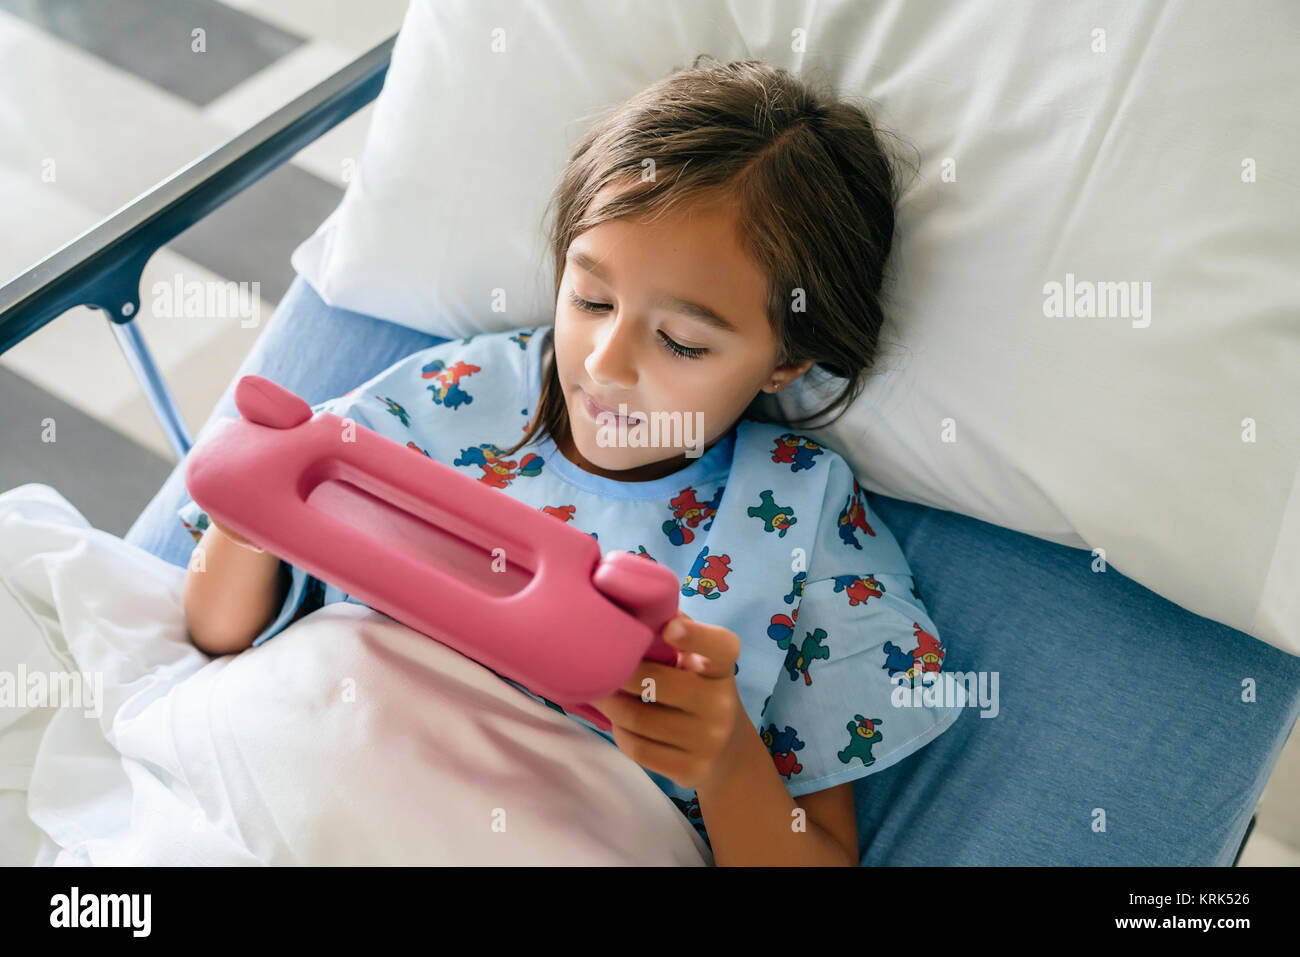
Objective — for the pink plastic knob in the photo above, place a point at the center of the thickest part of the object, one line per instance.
(262, 401)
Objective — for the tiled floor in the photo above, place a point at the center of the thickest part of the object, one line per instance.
(102, 99)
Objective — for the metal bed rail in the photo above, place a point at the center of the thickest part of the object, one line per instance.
(102, 267)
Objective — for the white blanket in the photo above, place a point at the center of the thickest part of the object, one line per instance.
(347, 739)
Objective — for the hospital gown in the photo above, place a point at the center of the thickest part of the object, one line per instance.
(769, 534)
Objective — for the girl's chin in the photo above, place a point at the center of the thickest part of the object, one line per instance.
(601, 456)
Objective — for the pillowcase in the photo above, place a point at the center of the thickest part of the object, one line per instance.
(1093, 300)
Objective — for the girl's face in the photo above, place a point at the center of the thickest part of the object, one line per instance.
(672, 319)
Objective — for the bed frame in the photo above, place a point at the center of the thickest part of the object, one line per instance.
(102, 267)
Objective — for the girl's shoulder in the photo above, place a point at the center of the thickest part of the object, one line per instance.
(486, 357)
(508, 341)
(800, 489)
(767, 451)
(474, 382)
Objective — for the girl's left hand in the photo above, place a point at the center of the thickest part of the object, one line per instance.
(682, 722)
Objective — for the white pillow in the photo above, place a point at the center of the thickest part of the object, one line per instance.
(1059, 145)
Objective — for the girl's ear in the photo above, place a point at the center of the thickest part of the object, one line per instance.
(782, 376)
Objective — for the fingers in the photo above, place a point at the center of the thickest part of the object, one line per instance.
(657, 682)
(711, 650)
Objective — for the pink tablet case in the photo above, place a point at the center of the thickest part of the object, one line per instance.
(416, 539)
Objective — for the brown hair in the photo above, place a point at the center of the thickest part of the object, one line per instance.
(813, 189)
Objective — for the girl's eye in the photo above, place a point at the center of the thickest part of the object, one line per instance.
(585, 305)
(676, 348)
(684, 351)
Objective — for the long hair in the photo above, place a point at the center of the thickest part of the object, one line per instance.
(805, 171)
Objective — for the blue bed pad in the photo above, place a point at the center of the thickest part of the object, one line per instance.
(1113, 701)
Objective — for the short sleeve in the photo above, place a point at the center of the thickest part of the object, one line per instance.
(862, 685)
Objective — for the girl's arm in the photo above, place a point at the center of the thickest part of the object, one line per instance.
(231, 592)
(751, 817)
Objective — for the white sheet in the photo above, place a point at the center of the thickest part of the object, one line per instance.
(349, 739)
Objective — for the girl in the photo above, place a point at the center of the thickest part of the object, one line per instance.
(714, 238)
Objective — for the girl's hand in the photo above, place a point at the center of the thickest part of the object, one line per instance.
(682, 722)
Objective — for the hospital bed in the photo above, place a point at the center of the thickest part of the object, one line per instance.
(1123, 702)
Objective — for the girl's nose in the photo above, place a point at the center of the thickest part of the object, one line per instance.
(611, 360)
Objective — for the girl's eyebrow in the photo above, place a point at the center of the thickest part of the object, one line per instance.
(694, 310)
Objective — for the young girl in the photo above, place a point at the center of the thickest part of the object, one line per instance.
(714, 238)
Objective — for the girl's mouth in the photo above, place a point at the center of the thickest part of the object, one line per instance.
(595, 410)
